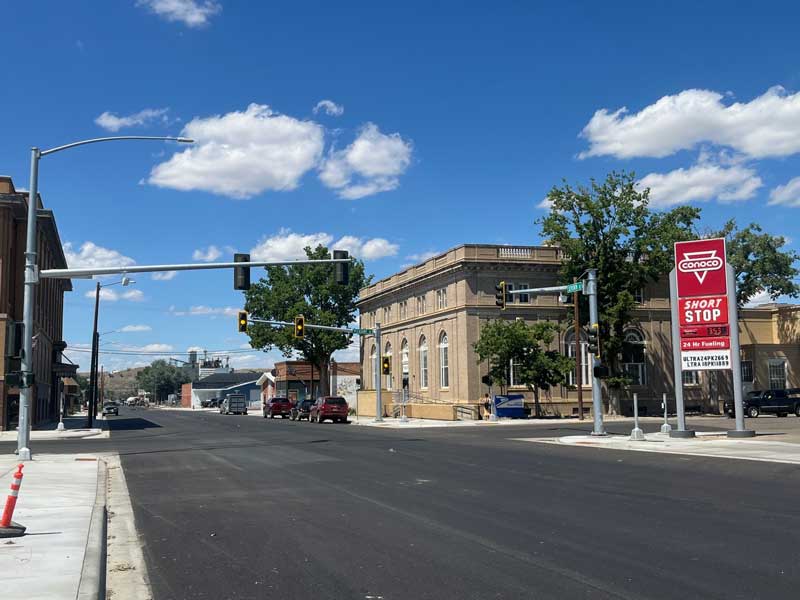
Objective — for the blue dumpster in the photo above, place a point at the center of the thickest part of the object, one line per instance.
(510, 406)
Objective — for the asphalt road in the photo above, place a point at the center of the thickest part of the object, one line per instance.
(242, 507)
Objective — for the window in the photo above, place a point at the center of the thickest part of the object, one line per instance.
(509, 297)
(441, 298)
(777, 374)
(747, 371)
(586, 370)
(387, 313)
(523, 298)
(390, 376)
(633, 363)
(404, 309)
(421, 305)
(423, 363)
(691, 377)
(373, 358)
(444, 365)
(513, 373)
(404, 357)
(638, 296)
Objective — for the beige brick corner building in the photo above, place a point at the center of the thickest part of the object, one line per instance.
(431, 315)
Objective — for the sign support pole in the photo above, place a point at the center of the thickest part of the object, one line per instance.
(597, 400)
(681, 431)
(377, 367)
(736, 359)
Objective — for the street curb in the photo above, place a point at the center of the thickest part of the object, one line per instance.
(92, 584)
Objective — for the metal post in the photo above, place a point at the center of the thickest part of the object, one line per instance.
(578, 352)
(377, 367)
(31, 278)
(637, 435)
(95, 352)
(681, 431)
(736, 359)
(597, 401)
(60, 405)
(666, 427)
(403, 417)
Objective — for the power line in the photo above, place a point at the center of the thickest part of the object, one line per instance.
(169, 353)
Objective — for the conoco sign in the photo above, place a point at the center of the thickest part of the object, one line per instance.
(700, 267)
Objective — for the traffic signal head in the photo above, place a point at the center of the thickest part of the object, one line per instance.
(242, 321)
(300, 327)
(241, 275)
(593, 336)
(386, 365)
(342, 269)
(500, 295)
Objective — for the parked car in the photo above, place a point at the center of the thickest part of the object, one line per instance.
(301, 410)
(776, 402)
(110, 408)
(233, 404)
(277, 407)
(329, 407)
(209, 403)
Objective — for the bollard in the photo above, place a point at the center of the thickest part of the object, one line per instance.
(9, 528)
(637, 435)
(666, 427)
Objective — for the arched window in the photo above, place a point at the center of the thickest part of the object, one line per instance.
(373, 361)
(633, 361)
(423, 363)
(404, 357)
(444, 363)
(586, 370)
(390, 376)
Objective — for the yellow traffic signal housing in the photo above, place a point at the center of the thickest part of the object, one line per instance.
(594, 339)
(300, 327)
(242, 321)
(500, 296)
(386, 365)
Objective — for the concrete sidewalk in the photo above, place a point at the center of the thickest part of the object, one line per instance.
(707, 444)
(62, 551)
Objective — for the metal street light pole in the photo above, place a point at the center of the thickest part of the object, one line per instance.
(32, 278)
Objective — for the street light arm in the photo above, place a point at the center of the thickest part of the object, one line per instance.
(182, 140)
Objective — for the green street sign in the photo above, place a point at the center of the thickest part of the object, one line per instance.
(363, 331)
(574, 287)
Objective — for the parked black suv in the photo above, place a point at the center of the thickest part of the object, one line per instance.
(300, 410)
(776, 402)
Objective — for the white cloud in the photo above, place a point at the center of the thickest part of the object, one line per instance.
(194, 349)
(133, 295)
(371, 249)
(106, 294)
(90, 255)
(768, 125)
(701, 182)
(164, 275)
(151, 348)
(112, 122)
(787, 194)
(330, 108)
(287, 245)
(761, 297)
(228, 311)
(241, 154)
(133, 328)
(545, 204)
(373, 163)
(212, 253)
(192, 13)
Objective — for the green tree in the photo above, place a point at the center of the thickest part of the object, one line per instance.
(162, 379)
(503, 343)
(308, 290)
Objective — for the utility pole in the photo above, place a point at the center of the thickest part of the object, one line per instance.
(597, 400)
(578, 352)
(93, 366)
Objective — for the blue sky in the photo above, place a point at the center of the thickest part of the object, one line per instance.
(445, 123)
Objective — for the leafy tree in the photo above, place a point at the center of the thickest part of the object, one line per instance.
(503, 343)
(161, 378)
(308, 290)
(759, 262)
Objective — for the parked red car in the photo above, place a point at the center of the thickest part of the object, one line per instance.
(277, 407)
(329, 407)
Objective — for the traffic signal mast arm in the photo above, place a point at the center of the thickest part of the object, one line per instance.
(354, 330)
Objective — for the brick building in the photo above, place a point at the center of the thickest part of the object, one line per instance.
(48, 365)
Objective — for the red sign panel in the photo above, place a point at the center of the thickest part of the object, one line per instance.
(703, 311)
(710, 343)
(700, 267)
(705, 331)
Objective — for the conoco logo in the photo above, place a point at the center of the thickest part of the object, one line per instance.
(700, 263)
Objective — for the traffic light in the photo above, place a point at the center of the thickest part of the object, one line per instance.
(500, 295)
(241, 275)
(594, 339)
(386, 365)
(342, 269)
(300, 327)
(242, 321)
